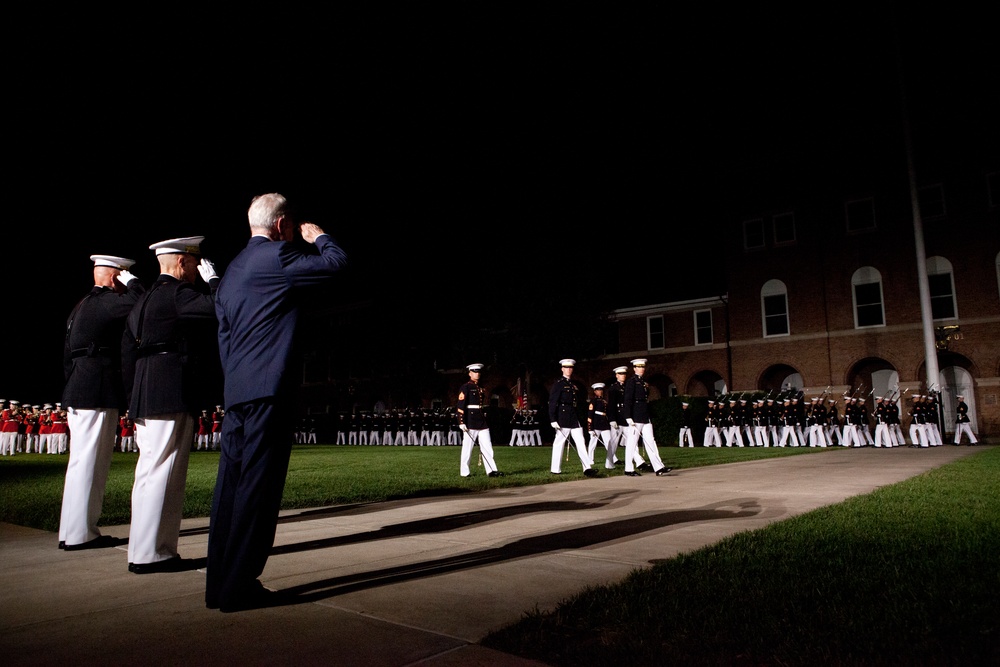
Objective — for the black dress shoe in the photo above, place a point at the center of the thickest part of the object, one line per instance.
(62, 545)
(254, 596)
(100, 542)
(632, 473)
(663, 471)
(175, 564)
(495, 473)
(645, 465)
(590, 472)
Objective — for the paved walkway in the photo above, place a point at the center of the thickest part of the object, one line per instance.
(414, 582)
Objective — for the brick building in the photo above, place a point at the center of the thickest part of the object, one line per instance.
(823, 295)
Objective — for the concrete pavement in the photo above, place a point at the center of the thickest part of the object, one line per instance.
(415, 582)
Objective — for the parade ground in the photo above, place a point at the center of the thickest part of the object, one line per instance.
(413, 582)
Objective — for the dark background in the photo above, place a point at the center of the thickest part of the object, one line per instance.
(465, 157)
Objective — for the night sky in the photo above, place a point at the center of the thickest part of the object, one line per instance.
(521, 151)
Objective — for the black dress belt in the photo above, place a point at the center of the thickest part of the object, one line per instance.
(156, 348)
(92, 352)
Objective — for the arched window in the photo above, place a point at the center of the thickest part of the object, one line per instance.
(942, 289)
(866, 288)
(774, 308)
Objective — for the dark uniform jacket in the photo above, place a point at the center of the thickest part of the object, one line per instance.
(636, 406)
(597, 413)
(92, 349)
(562, 404)
(472, 406)
(616, 398)
(169, 350)
(963, 413)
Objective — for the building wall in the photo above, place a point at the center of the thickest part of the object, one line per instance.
(823, 345)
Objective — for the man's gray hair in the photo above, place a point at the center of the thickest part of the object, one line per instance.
(265, 210)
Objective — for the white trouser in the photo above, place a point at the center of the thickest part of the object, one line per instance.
(87, 472)
(966, 428)
(563, 434)
(786, 433)
(644, 432)
(882, 435)
(469, 439)
(760, 436)
(604, 438)
(816, 437)
(712, 437)
(158, 491)
(733, 436)
(685, 436)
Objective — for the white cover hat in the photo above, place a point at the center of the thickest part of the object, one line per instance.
(120, 263)
(189, 244)
(567, 362)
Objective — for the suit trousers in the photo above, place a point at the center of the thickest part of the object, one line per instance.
(253, 465)
(87, 472)
(158, 491)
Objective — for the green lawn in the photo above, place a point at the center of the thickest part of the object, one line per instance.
(906, 575)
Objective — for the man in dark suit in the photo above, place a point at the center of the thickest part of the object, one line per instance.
(257, 306)
(171, 367)
(94, 397)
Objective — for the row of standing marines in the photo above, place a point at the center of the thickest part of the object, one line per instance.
(789, 421)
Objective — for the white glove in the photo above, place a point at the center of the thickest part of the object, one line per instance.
(614, 424)
(463, 428)
(555, 425)
(124, 277)
(207, 270)
(630, 422)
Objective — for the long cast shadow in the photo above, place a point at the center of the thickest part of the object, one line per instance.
(453, 522)
(574, 538)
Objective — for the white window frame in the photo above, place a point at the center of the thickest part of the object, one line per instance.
(711, 327)
(774, 287)
(939, 266)
(649, 332)
(867, 275)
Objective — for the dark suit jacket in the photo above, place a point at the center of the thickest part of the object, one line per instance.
(92, 348)
(258, 310)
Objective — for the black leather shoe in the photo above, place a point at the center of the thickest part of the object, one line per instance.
(62, 545)
(645, 465)
(633, 473)
(495, 473)
(590, 472)
(175, 564)
(254, 596)
(100, 542)
(663, 471)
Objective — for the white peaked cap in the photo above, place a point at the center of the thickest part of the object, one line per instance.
(597, 385)
(567, 362)
(189, 244)
(120, 263)
(475, 367)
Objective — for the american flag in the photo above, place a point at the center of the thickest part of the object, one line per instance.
(520, 399)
